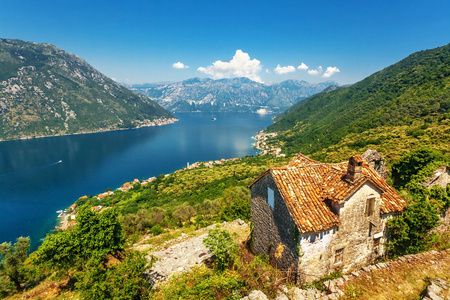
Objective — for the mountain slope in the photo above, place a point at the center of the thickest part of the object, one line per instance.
(413, 93)
(229, 95)
(45, 90)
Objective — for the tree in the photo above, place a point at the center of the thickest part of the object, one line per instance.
(221, 245)
(158, 215)
(236, 204)
(95, 234)
(183, 212)
(12, 259)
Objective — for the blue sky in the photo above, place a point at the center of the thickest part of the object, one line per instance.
(142, 41)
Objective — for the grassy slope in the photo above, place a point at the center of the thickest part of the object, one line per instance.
(400, 96)
(192, 186)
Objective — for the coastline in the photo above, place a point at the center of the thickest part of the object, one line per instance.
(98, 168)
(147, 123)
(67, 217)
(265, 148)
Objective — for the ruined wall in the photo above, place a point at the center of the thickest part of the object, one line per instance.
(273, 229)
(377, 162)
(318, 253)
(441, 177)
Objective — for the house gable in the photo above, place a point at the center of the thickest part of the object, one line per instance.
(340, 218)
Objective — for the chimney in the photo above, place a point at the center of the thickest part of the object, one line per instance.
(354, 168)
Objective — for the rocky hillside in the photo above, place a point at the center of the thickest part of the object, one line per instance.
(229, 95)
(46, 91)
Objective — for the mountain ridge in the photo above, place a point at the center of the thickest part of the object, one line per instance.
(238, 94)
(46, 91)
(411, 96)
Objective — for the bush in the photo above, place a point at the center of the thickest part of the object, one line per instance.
(157, 230)
(410, 233)
(122, 280)
(222, 246)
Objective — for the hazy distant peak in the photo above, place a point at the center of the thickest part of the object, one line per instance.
(238, 94)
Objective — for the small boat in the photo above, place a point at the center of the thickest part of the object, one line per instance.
(213, 119)
(60, 161)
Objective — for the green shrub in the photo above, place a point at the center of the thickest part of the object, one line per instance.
(222, 246)
(122, 280)
(157, 230)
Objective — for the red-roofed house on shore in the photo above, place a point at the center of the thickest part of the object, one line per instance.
(315, 218)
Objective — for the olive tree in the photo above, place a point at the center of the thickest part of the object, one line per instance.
(12, 259)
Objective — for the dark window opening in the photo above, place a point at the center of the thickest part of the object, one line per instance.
(339, 256)
(370, 205)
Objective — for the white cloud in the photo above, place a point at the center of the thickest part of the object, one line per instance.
(330, 71)
(239, 66)
(302, 67)
(315, 72)
(179, 65)
(284, 70)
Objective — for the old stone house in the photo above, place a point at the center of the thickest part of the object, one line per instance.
(314, 218)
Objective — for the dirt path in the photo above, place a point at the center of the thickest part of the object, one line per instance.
(190, 251)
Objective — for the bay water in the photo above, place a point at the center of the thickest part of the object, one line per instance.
(40, 176)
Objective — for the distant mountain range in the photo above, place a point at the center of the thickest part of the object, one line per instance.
(46, 91)
(229, 95)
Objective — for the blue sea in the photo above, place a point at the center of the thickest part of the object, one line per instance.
(40, 176)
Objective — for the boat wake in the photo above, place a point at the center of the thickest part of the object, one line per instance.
(41, 167)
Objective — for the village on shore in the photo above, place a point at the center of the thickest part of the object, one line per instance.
(69, 215)
(261, 144)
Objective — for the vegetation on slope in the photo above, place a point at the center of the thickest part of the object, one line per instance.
(93, 255)
(91, 267)
(45, 90)
(410, 232)
(413, 90)
(204, 194)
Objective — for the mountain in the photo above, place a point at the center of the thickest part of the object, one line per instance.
(46, 91)
(401, 107)
(229, 95)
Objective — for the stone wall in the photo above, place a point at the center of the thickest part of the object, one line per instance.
(273, 229)
(377, 162)
(318, 250)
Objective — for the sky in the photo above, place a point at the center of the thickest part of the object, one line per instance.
(267, 41)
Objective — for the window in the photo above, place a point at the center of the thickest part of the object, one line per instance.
(339, 256)
(270, 197)
(370, 204)
(376, 242)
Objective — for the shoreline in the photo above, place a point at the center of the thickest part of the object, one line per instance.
(66, 217)
(156, 122)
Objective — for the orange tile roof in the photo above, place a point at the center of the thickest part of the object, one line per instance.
(305, 184)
